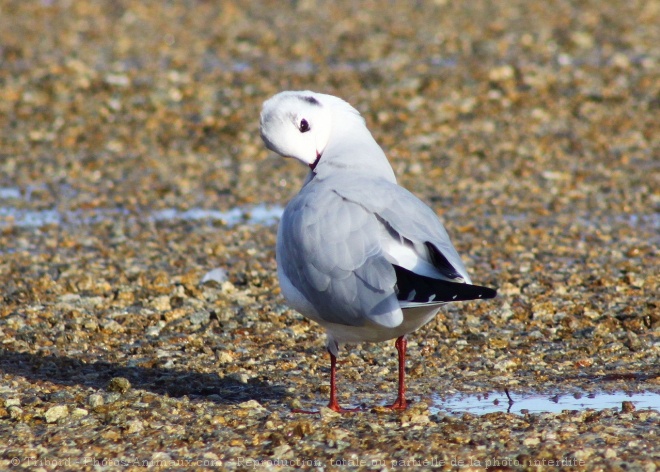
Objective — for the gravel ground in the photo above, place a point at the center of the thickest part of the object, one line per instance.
(531, 127)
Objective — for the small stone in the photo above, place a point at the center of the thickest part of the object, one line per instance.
(251, 404)
(509, 289)
(240, 377)
(200, 317)
(583, 454)
(419, 419)
(584, 362)
(591, 314)
(15, 412)
(79, 412)
(227, 287)
(111, 397)
(224, 357)
(90, 325)
(119, 80)
(627, 407)
(327, 413)
(55, 413)
(161, 456)
(161, 303)
(633, 342)
(134, 426)
(533, 441)
(12, 402)
(111, 326)
(95, 400)
(501, 73)
(495, 343)
(119, 385)
(283, 452)
(218, 419)
(153, 331)
(216, 275)
(505, 365)
(111, 435)
(300, 429)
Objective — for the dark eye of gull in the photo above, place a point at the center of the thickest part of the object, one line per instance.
(304, 126)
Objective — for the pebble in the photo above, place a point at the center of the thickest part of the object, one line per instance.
(95, 400)
(55, 413)
(161, 303)
(119, 385)
(200, 317)
(12, 402)
(225, 357)
(134, 426)
(251, 405)
(15, 412)
(627, 407)
(79, 412)
(218, 275)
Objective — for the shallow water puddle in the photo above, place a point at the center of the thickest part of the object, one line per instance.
(498, 402)
(15, 217)
(252, 215)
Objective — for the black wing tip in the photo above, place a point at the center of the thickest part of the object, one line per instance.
(487, 292)
(418, 288)
(466, 292)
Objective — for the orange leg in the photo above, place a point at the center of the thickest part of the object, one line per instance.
(333, 404)
(400, 402)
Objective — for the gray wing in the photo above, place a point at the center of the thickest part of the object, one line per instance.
(410, 218)
(329, 249)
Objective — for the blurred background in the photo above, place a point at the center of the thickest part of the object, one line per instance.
(540, 106)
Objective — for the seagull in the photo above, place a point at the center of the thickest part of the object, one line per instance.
(356, 253)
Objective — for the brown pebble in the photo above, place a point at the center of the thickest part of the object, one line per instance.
(627, 407)
(118, 385)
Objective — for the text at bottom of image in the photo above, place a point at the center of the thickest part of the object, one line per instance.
(246, 462)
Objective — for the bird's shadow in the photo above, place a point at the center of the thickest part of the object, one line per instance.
(171, 382)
